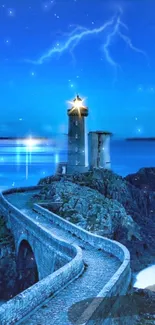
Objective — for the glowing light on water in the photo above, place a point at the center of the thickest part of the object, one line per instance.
(26, 163)
(30, 146)
(17, 156)
(56, 158)
(30, 143)
(145, 278)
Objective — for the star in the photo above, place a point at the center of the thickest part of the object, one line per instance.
(7, 41)
(151, 90)
(47, 5)
(11, 12)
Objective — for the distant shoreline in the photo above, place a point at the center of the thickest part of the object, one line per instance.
(140, 139)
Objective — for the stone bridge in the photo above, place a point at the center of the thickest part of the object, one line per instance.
(57, 261)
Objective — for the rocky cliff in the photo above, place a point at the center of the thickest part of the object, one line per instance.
(7, 263)
(144, 179)
(107, 204)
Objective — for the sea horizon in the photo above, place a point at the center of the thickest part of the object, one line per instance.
(25, 166)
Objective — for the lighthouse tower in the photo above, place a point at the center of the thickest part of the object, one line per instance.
(76, 136)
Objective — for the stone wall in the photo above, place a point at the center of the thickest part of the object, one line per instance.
(45, 247)
(119, 283)
(8, 272)
(110, 246)
(5, 250)
(25, 302)
(22, 304)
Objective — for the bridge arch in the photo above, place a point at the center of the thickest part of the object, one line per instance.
(27, 270)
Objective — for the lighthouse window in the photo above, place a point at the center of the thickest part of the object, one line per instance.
(76, 123)
(76, 136)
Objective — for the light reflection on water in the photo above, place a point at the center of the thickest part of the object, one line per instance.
(24, 166)
(146, 278)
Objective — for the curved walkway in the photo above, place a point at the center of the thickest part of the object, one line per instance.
(100, 267)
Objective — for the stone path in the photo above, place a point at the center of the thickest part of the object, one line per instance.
(100, 268)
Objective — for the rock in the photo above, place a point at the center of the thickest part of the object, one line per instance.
(146, 318)
(7, 263)
(143, 179)
(87, 207)
(122, 211)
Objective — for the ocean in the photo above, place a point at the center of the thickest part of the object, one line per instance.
(24, 166)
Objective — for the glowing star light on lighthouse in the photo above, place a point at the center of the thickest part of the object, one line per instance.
(77, 105)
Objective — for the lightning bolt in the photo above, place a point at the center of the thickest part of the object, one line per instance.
(72, 41)
(116, 32)
(113, 26)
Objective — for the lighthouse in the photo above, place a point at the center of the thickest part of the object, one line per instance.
(76, 136)
(98, 147)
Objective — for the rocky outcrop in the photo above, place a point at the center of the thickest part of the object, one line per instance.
(119, 198)
(7, 263)
(144, 179)
(147, 300)
(89, 209)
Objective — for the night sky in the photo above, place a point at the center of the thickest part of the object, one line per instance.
(50, 51)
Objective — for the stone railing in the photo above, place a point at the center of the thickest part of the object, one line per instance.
(22, 304)
(118, 284)
(19, 306)
(21, 189)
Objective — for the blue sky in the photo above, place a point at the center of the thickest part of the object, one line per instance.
(51, 50)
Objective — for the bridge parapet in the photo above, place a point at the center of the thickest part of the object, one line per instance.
(118, 284)
(111, 246)
(22, 304)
